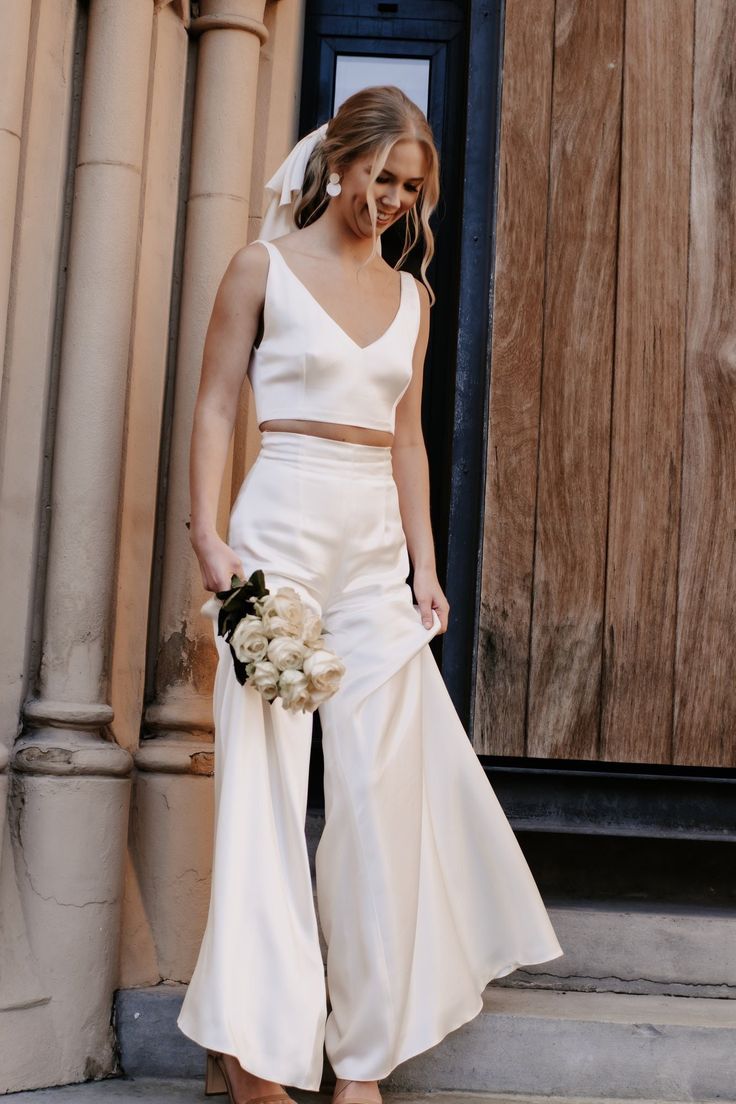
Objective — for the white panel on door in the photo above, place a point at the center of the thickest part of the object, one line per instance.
(353, 72)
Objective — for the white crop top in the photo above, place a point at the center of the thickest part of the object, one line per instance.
(307, 366)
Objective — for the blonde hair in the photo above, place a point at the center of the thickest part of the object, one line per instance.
(370, 122)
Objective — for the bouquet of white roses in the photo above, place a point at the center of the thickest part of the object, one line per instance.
(277, 643)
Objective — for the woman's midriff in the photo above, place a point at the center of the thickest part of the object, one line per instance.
(336, 431)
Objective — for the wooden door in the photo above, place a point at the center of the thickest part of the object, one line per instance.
(607, 625)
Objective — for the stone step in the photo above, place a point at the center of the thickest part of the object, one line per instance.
(545, 1042)
(586, 1044)
(124, 1090)
(638, 949)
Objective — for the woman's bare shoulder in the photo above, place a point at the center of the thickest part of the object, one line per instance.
(251, 259)
(248, 269)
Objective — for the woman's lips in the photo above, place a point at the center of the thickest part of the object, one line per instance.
(380, 221)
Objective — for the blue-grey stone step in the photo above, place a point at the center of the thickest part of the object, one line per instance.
(639, 949)
(545, 1042)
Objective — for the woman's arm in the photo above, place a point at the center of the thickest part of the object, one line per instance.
(230, 335)
(411, 474)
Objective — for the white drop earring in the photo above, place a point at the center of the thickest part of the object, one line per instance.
(334, 187)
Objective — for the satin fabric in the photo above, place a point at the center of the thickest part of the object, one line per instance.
(307, 364)
(424, 894)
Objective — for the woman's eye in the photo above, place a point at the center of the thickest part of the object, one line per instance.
(409, 187)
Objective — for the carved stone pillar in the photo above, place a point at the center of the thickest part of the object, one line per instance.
(172, 765)
(231, 35)
(13, 54)
(72, 780)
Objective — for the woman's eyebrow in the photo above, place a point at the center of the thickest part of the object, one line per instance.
(410, 178)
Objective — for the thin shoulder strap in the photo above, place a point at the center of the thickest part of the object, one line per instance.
(272, 252)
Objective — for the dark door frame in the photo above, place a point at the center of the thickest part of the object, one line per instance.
(473, 362)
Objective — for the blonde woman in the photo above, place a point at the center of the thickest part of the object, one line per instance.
(423, 892)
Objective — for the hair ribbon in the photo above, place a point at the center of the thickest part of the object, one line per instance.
(288, 178)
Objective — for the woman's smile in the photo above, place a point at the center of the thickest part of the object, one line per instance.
(381, 218)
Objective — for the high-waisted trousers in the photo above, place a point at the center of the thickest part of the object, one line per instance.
(423, 892)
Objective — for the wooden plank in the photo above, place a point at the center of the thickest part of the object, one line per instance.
(705, 687)
(565, 662)
(641, 582)
(508, 538)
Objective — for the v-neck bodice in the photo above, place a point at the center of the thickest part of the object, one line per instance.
(308, 367)
(303, 287)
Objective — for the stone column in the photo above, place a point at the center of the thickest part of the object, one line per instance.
(230, 39)
(174, 767)
(13, 59)
(72, 778)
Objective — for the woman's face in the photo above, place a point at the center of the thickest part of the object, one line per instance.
(395, 190)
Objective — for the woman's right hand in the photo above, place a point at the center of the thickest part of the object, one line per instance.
(217, 562)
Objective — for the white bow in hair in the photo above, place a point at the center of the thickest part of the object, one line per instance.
(288, 178)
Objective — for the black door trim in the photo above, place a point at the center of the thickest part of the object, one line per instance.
(472, 381)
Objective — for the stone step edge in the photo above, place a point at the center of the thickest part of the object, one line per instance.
(565, 1004)
(606, 1007)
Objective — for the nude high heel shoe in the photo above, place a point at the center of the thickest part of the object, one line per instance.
(217, 1081)
(341, 1097)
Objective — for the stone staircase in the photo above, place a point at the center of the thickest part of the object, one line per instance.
(640, 1007)
(642, 1011)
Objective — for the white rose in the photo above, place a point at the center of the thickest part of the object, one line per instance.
(264, 677)
(294, 690)
(249, 639)
(282, 613)
(324, 670)
(285, 651)
(312, 631)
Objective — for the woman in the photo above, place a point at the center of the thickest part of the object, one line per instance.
(423, 892)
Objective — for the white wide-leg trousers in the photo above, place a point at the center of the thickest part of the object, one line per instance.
(424, 894)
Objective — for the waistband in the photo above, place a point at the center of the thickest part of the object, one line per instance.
(325, 451)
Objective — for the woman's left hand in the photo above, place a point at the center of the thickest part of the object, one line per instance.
(430, 596)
